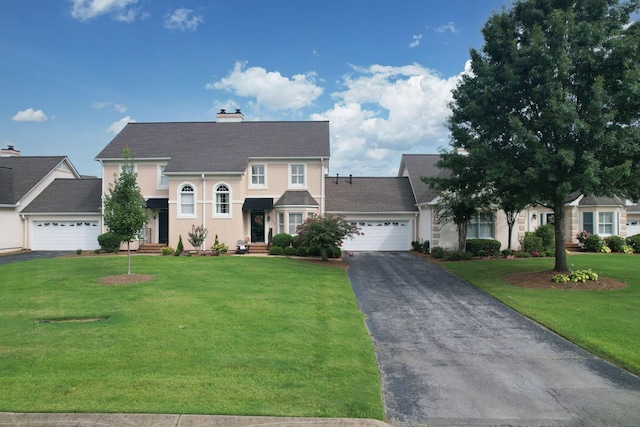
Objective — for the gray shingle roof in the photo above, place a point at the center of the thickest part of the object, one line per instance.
(219, 147)
(68, 196)
(377, 194)
(21, 174)
(419, 165)
(600, 201)
(296, 198)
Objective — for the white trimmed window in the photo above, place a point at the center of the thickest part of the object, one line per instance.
(295, 219)
(187, 201)
(481, 226)
(258, 175)
(296, 175)
(223, 200)
(605, 223)
(163, 180)
(281, 223)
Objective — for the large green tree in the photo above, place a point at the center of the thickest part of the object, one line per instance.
(124, 209)
(553, 103)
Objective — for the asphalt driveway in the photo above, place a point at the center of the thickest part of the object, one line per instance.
(30, 255)
(449, 354)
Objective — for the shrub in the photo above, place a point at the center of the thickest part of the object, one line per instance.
(295, 241)
(508, 252)
(615, 243)
(547, 233)
(627, 249)
(523, 254)
(283, 240)
(302, 251)
(456, 256)
(219, 248)
(426, 246)
(437, 252)
(634, 242)
(593, 243)
(276, 250)
(487, 246)
(109, 242)
(531, 243)
(79, 251)
(180, 247)
(290, 251)
(416, 246)
(314, 251)
(168, 250)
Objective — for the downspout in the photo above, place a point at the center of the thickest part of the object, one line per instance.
(204, 209)
(322, 187)
(102, 199)
(24, 232)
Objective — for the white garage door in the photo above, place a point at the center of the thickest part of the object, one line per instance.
(65, 235)
(380, 236)
(633, 227)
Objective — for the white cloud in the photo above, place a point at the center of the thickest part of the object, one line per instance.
(108, 104)
(183, 20)
(449, 27)
(30, 115)
(416, 41)
(386, 111)
(120, 10)
(116, 127)
(272, 90)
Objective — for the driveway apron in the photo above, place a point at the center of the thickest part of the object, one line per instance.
(449, 354)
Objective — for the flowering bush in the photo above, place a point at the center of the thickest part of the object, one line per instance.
(197, 236)
(582, 236)
(325, 233)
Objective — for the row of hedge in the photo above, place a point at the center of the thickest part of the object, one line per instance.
(303, 252)
(595, 243)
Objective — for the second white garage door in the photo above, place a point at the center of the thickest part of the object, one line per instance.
(380, 236)
(65, 235)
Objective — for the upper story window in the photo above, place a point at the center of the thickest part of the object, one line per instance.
(187, 202)
(296, 175)
(223, 200)
(481, 226)
(163, 180)
(258, 175)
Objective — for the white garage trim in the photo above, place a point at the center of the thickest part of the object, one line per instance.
(65, 235)
(380, 235)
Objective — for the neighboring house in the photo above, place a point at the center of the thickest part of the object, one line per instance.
(383, 208)
(241, 180)
(46, 205)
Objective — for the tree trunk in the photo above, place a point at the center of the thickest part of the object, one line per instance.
(511, 221)
(462, 237)
(128, 258)
(558, 222)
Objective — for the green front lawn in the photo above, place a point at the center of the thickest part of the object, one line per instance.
(209, 335)
(606, 323)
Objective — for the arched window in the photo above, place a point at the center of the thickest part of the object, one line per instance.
(187, 200)
(223, 200)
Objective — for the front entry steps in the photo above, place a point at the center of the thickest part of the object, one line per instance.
(258, 248)
(151, 248)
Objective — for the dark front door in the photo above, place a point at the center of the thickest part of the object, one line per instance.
(163, 226)
(257, 226)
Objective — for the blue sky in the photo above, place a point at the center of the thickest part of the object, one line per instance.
(73, 72)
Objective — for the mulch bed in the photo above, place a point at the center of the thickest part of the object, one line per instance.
(544, 279)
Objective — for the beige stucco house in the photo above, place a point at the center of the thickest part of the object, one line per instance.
(241, 180)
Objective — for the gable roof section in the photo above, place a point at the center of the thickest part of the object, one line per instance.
(24, 174)
(68, 196)
(417, 166)
(369, 195)
(591, 200)
(195, 147)
(296, 198)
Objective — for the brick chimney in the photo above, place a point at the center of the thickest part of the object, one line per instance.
(10, 151)
(224, 117)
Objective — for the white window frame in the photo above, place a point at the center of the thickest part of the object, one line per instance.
(281, 226)
(603, 223)
(297, 175)
(294, 224)
(217, 192)
(480, 219)
(162, 185)
(181, 193)
(262, 184)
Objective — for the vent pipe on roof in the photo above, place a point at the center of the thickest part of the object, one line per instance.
(337, 179)
(224, 117)
(350, 179)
